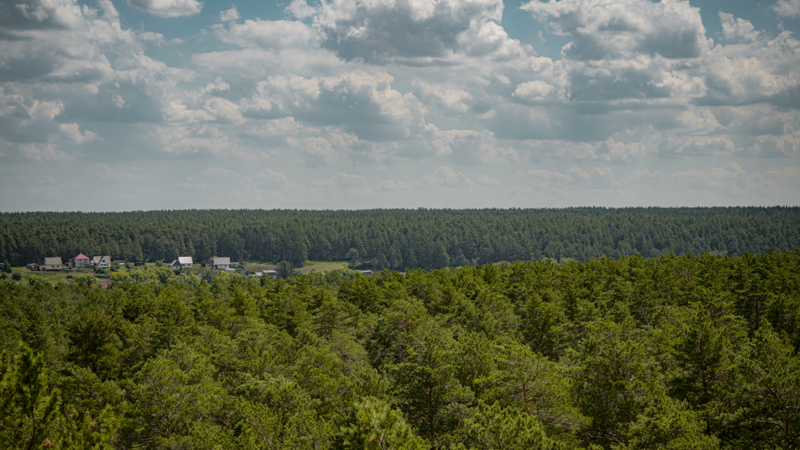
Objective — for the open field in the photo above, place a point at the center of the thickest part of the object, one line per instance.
(57, 276)
(319, 266)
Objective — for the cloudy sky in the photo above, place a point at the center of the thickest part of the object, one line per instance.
(110, 105)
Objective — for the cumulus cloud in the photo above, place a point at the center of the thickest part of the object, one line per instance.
(788, 8)
(614, 29)
(410, 31)
(265, 34)
(435, 93)
(775, 146)
(445, 176)
(229, 15)
(737, 29)
(360, 102)
(167, 8)
(271, 178)
(393, 186)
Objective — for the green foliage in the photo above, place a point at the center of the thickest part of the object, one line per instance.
(285, 270)
(29, 411)
(374, 425)
(399, 239)
(497, 428)
(690, 352)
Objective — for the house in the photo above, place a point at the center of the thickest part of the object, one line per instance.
(80, 261)
(101, 262)
(217, 263)
(185, 262)
(52, 263)
(272, 274)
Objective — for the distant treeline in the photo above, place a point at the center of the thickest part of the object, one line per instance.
(399, 238)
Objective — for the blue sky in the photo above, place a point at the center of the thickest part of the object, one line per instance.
(170, 104)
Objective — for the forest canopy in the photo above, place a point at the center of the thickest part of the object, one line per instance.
(689, 352)
(399, 238)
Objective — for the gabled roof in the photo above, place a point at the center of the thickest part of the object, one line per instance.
(173, 263)
(96, 259)
(217, 260)
(80, 256)
(270, 271)
(185, 259)
(53, 261)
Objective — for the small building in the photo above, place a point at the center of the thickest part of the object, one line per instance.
(32, 266)
(52, 263)
(102, 262)
(365, 272)
(80, 261)
(271, 273)
(185, 262)
(218, 263)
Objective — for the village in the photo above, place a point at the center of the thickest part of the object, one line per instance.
(55, 270)
(81, 263)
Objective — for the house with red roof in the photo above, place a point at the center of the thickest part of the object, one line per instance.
(80, 261)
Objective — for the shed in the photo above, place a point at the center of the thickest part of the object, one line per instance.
(52, 263)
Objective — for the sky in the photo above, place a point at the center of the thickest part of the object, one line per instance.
(116, 105)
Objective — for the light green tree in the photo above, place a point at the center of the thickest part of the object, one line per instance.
(374, 425)
(497, 428)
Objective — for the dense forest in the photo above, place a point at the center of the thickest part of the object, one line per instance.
(399, 239)
(678, 352)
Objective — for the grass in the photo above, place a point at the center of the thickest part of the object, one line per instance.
(309, 266)
(57, 276)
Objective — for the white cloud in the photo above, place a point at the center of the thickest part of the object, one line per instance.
(271, 178)
(534, 90)
(487, 181)
(445, 176)
(167, 8)
(229, 15)
(266, 34)
(624, 28)
(410, 31)
(316, 151)
(788, 8)
(393, 186)
(72, 132)
(737, 29)
(775, 146)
